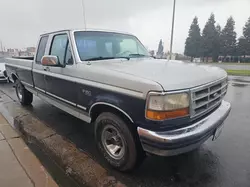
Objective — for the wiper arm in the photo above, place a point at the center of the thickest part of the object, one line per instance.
(104, 58)
(140, 55)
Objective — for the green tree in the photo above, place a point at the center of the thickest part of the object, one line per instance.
(193, 41)
(242, 47)
(209, 38)
(246, 34)
(217, 44)
(160, 49)
(228, 38)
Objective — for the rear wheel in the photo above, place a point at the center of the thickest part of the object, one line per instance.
(117, 143)
(24, 96)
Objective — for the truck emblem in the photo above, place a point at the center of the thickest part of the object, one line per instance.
(215, 95)
(86, 92)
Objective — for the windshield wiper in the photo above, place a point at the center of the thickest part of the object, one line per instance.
(139, 55)
(104, 58)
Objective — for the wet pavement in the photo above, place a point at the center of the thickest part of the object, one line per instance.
(225, 162)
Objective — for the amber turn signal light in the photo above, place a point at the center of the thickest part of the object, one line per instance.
(162, 115)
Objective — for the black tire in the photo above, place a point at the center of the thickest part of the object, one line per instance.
(24, 96)
(133, 153)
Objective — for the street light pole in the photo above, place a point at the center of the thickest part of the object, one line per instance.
(172, 32)
(1, 44)
(84, 15)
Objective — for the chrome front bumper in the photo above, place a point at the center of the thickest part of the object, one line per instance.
(3, 78)
(186, 139)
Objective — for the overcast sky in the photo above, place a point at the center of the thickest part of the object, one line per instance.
(22, 21)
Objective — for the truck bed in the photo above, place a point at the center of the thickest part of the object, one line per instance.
(20, 68)
(20, 61)
(24, 57)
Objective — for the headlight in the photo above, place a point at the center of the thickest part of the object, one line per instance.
(160, 107)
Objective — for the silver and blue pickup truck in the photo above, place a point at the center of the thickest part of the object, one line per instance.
(137, 103)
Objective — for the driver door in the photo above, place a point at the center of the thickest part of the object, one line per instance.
(58, 79)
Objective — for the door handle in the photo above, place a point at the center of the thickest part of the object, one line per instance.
(46, 69)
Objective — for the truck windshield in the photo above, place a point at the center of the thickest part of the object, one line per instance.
(96, 45)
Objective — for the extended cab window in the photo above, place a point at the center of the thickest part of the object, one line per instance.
(41, 49)
(60, 47)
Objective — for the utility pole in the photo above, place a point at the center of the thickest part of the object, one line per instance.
(1, 43)
(84, 15)
(172, 32)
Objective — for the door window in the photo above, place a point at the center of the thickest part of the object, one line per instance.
(68, 56)
(61, 48)
(41, 49)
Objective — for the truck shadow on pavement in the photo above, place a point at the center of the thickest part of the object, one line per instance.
(196, 168)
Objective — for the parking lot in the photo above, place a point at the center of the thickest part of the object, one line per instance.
(224, 162)
(232, 66)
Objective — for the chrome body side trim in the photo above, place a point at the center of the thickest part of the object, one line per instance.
(27, 84)
(193, 133)
(41, 90)
(103, 103)
(81, 107)
(61, 105)
(66, 101)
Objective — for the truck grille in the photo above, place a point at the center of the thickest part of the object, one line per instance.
(206, 98)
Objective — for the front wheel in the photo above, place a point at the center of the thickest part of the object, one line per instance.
(23, 95)
(117, 143)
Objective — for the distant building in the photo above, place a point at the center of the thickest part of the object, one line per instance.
(13, 52)
(23, 53)
(4, 54)
(197, 60)
(31, 49)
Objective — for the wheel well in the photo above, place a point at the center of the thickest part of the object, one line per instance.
(14, 77)
(98, 109)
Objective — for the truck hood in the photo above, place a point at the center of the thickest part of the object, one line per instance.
(171, 75)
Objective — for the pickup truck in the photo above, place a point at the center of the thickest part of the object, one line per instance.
(138, 104)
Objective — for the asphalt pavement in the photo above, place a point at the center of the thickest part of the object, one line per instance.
(224, 162)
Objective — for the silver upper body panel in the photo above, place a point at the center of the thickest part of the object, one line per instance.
(171, 75)
(135, 77)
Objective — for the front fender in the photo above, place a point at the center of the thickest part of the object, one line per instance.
(131, 107)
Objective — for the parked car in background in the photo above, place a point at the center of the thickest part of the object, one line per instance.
(3, 74)
(137, 103)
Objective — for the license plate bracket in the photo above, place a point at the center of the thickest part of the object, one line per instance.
(217, 132)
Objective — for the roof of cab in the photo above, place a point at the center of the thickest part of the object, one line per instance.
(96, 30)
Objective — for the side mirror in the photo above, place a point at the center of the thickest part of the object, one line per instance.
(50, 60)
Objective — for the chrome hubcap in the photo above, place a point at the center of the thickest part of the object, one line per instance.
(113, 142)
(19, 91)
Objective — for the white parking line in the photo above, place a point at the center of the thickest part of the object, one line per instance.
(239, 82)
